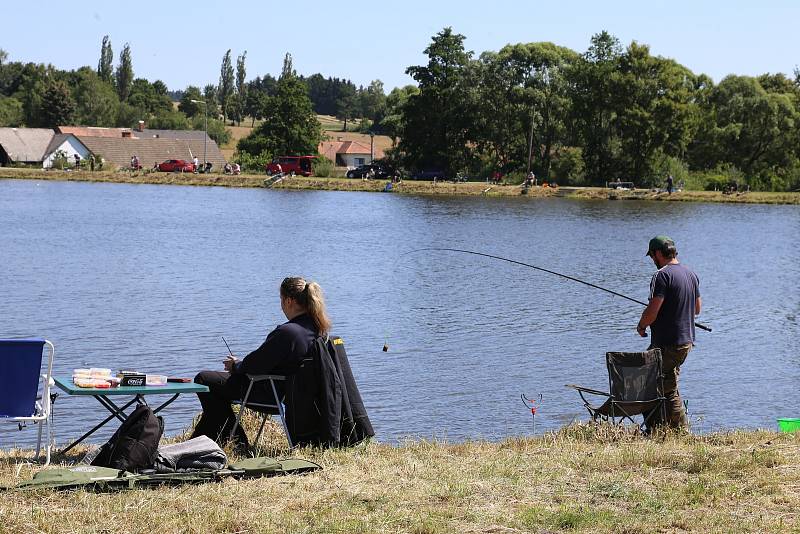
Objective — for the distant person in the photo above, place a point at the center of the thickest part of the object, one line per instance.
(278, 170)
(196, 163)
(77, 160)
(670, 184)
(208, 166)
(236, 169)
(227, 169)
(673, 304)
(91, 163)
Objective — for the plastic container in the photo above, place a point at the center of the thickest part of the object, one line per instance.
(788, 424)
(156, 380)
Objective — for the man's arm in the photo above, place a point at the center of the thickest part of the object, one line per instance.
(649, 315)
(698, 305)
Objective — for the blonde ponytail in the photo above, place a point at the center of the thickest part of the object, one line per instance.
(309, 296)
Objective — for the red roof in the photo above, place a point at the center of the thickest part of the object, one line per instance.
(330, 149)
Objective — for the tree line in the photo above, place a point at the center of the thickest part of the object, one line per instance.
(587, 118)
(575, 118)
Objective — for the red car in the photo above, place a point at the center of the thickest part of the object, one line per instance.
(176, 165)
(291, 164)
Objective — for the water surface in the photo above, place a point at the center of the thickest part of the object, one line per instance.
(149, 277)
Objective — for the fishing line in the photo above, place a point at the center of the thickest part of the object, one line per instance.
(698, 325)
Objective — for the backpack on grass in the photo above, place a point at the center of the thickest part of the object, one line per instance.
(134, 445)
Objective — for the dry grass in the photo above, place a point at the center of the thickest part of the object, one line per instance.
(581, 479)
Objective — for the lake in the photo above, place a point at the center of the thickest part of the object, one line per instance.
(150, 277)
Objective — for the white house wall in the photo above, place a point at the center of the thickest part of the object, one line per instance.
(350, 159)
(70, 147)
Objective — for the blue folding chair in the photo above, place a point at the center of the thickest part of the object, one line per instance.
(20, 372)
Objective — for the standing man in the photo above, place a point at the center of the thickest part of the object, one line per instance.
(196, 163)
(670, 184)
(673, 304)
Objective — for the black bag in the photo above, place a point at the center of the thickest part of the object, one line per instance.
(134, 445)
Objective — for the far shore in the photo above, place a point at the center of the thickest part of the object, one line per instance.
(409, 187)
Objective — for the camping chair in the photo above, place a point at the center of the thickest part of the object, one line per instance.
(264, 408)
(20, 371)
(636, 388)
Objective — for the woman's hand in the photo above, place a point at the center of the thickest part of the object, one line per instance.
(229, 362)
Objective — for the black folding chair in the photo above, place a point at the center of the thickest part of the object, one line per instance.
(267, 409)
(636, 388)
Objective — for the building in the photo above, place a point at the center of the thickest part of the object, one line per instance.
(349, 153)
(24, 145)
(117, 145)
(66, 145)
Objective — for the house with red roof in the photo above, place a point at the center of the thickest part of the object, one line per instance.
(349, 153)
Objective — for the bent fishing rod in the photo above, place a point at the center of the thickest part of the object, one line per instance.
(698, 325)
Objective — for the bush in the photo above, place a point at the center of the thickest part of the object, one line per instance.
(250, 163)
(323, 167)
(567, 167)
(59, 160)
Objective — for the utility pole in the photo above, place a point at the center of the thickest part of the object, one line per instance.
(530, 145)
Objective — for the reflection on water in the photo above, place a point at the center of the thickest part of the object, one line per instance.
(150, 277)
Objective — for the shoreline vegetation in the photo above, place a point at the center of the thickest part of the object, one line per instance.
(581, 478)
(412, 187)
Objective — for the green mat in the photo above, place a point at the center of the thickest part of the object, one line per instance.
(108, 479)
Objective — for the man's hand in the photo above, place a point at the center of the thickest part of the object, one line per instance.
(641, 330)
(229, 362)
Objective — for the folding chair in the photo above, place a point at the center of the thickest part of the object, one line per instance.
(20, 371)
(636, 388)
(265, 408)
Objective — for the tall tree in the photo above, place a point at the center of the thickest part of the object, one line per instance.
(58, 106)
(346, 104)
(436, 122)
(124, 76)
(241, 87)
(97, 102)
(288, 70)
(105, 66)
(225, 88)
(373, 101)
(653, 112)
(290, 125)
(593, 107)
(189, 108)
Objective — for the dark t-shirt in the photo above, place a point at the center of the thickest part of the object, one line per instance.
(680, 288)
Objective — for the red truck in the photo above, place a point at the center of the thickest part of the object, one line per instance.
(291, 164)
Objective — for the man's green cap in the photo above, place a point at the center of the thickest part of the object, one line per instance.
(659, 242)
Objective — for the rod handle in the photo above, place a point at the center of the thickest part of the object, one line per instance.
(703, 327)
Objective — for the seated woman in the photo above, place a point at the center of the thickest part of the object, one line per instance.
(304, 306)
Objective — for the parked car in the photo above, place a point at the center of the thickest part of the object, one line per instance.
(379, 171)
(301, 165)
(176, 165)
(428, 174)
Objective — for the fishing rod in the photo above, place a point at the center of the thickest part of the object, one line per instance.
(698, 325)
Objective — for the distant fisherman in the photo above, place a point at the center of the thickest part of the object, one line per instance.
(673, 304)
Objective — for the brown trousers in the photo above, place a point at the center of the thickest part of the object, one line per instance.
(672, 357)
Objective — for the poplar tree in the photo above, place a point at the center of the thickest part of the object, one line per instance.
(241, 87)
(225, 90)
(105, 68)
(124, 73)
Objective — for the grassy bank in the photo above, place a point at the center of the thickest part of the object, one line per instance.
(406, 187)
(577, 480)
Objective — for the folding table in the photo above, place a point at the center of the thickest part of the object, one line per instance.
(103, 396)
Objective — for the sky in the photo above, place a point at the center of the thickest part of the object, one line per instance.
(182, 43)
